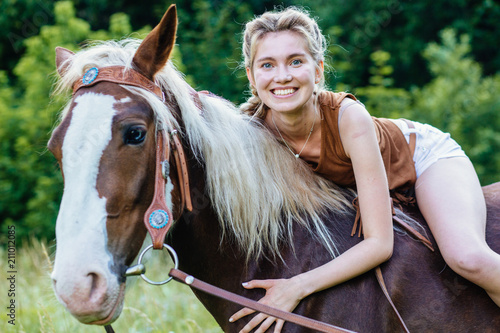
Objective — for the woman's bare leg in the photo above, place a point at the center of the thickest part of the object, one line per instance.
(451, 200)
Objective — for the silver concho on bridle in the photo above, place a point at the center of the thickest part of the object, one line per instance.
(158, 219)
(90, 75)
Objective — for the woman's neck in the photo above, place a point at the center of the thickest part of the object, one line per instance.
(293, 126)
(301, 132)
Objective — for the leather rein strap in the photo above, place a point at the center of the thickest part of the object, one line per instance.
(251, 304)
(182, 173)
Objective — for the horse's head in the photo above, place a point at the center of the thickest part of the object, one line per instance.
(105, 145)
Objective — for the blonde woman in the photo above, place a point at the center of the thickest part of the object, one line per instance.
(334, 133)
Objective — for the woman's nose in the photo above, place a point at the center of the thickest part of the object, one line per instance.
(282, 76)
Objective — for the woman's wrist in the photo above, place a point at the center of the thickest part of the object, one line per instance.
(301, 285)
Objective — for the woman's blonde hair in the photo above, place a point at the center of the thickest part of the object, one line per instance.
(290, 19)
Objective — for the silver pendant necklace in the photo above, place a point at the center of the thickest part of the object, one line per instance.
(286, 144)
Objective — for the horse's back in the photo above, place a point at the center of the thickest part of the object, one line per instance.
(428, 294)
(435, 297)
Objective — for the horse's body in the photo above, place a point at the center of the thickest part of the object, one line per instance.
(105, 144)
(428, 294)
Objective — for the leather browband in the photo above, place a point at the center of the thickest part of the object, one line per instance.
(120, 75)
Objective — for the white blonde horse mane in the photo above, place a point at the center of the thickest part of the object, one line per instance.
(258, 189)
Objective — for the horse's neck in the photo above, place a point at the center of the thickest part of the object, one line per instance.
(197, 236)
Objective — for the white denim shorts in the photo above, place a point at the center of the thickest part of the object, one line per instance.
(431, 144)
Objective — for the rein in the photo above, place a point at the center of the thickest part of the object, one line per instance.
(159, 218)
(251, 304)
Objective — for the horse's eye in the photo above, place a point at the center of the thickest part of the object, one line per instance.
(134, 136)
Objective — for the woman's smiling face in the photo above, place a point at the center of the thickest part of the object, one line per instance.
(283, 72)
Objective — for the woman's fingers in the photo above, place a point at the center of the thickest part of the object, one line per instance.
(279, 326)
(258, 319)
(265, 325)
(261, 319)
(250, 285)
(264, 284)
(240, 314)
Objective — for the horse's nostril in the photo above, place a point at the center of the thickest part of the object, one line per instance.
(94, 279)
(97, 286)
(88, 294)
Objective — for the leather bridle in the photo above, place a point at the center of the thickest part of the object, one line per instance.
(158, 218)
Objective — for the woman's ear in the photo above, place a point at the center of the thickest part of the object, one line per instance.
(250, 76)
(320, 70)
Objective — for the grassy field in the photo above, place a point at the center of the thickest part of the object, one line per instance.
(162, 309)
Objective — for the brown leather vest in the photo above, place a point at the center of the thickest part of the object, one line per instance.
(336, 166)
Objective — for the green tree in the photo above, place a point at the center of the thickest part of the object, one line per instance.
(210, 41)
(380, 97)
(19, 20)
(31, 184)
(459, 99)
(209, 32)
(403, 28)
(462, 101)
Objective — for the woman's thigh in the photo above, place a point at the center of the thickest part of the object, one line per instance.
(451, 200)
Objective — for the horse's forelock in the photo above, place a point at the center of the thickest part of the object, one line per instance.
(97, 54)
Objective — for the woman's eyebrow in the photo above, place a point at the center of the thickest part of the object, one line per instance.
(265, 59)
(290, 56)
(295, 55)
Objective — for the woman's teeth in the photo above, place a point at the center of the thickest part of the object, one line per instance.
(282, 92)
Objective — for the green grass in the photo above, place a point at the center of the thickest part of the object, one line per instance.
(162, 309)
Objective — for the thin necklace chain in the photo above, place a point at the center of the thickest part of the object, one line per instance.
(286, 144)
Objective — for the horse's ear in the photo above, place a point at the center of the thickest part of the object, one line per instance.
(155, 49)
(63, 59)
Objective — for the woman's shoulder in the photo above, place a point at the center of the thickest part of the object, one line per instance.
(334, 104)
(334, 99)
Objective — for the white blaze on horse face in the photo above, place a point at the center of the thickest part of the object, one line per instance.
(81, 223)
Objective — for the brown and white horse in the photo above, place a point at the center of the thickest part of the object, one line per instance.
(257, 212)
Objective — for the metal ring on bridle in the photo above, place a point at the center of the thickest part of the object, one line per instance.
(174, 258)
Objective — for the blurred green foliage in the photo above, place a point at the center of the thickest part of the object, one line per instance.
(30, 183)
(390, 53)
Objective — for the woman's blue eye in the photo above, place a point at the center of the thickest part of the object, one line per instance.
(296, 62)
(267, 65)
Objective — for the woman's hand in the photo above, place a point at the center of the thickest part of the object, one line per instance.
(283, 294)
